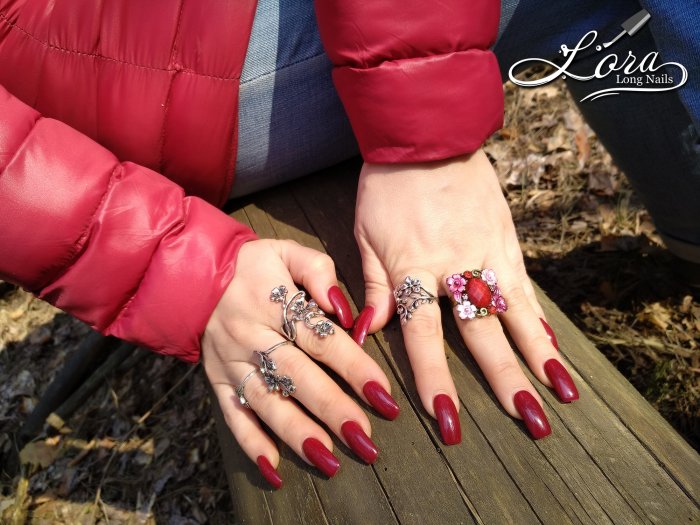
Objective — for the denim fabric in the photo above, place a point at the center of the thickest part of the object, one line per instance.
(291, 121)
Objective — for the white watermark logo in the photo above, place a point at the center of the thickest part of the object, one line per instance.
(631, 73)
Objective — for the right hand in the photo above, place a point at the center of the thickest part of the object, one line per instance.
(246, 320)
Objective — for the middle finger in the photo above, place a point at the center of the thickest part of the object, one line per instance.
(343, 355)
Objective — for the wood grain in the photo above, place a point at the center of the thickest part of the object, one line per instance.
(610, 459)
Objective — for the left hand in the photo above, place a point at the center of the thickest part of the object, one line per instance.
(430, 221)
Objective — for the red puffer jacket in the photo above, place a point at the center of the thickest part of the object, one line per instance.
(101, 97)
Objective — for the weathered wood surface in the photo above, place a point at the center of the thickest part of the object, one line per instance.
(610, 459)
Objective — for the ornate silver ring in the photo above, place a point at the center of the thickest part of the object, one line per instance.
(275, 382)
(297, 309)
(240, 389)
(409, 295)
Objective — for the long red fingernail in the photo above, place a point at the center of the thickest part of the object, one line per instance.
(532, 414)
(359, 331)
(319, 455)
(448, 420)
(381, 400)
(269, 472)
(561, 381)
(341, 306)
(359, 442)
(550, 333)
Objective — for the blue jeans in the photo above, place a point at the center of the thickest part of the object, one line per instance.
(292, 122)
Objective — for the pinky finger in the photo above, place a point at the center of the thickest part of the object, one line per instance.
(246, 429)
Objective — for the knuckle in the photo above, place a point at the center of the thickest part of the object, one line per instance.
(316, 347)
(538, 342)
(506, 368)
(294, 365)
(246, 437)
(322, 263)
(481, 328)
(256, 394)
(424, 326)
(319, 349)
(327, 405)
(515, 296)
(400, 273)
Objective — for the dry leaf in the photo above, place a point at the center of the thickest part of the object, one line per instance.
(573, 120)
(39, 453)
(559, 140)
(583, 147)
(656, 315)
(508, 133)
(19, 312)
(578, 226)
(602, 183)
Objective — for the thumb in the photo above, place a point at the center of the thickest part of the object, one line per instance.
(379, 295)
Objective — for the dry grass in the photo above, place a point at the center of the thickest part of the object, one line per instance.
(127, 458)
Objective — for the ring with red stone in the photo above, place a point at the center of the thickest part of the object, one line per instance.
(476, 293)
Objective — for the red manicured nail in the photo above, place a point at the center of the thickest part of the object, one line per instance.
(341, 306)
(359, 442)
(269, 472)
(550, 333)
(448, 420)
(320, 456)
(532, 414)
(561, 381)
(381, 400)
(359, 331)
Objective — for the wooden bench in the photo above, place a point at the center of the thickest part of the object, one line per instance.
(611, 457)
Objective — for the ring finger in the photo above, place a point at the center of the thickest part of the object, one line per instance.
(488, 344)
(324, 398)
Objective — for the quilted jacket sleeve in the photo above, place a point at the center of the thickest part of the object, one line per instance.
(417, 78)
(115, 244)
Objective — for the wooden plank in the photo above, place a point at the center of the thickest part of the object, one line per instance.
(502, 500)
(356, 483)
(611, 458)
(642, 488)
(655, 434)
(404, 467)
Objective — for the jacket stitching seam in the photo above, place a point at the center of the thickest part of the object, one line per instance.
(95, 56)
(168, 97)
(364, 66)
(297, 62)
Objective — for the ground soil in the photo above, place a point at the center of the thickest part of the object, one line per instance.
(143, 448)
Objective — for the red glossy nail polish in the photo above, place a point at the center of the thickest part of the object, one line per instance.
(381, 400)
(269, 472)
(341, 306)
(550, 333)
(359, 331)
(448, 420)
(320, 456)
(359, 442)
(561, 381)
(532, 414)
